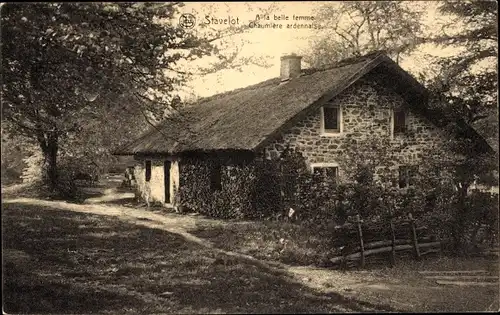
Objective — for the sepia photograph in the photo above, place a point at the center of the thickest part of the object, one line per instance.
(249, 157)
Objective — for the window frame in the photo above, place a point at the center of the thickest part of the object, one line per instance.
(147, 170)
(411, 171)
(393, 122)
(332, 132)
(326, 165)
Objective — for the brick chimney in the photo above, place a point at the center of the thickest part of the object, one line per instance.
(290, 67)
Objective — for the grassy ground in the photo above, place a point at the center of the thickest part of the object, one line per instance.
(270, 240)
(401, 287)
(65, 262)
(102, 257)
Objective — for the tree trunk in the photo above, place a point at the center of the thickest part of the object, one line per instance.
(50, 148)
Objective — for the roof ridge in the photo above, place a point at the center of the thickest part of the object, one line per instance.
(305, 72)
(351, 60)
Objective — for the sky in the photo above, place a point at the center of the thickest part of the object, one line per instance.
(269, 44)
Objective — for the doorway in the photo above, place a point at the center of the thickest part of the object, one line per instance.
(166, 180)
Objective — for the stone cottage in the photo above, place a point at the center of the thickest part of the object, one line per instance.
(313, 111)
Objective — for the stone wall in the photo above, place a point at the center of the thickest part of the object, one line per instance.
(367, 114)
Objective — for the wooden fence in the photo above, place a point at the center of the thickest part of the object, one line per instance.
(383, 242)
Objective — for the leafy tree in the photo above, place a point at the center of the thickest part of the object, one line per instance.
(104, 129)
(358, 27)
(472, 28)
(448, 206)
(464, 88)
(466, 82)
(61, 62)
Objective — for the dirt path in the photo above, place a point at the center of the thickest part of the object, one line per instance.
(109, 195)
(173, 223)
(67, 258)
(398, 292)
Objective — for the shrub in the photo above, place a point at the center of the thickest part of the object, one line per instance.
(70, 171)
(66, 185)
(195, 191)
(265, 196)
(267, 189)
(466, 220)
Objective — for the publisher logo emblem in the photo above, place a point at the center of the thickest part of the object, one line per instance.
(187, 20)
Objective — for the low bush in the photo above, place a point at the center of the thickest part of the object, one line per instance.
(285, 189)
(71, 175)
(197, 192)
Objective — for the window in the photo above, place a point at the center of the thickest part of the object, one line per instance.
(325, 170)
(407, 175)
(148, 170)
(216, 178)
(399, 121)
(331, 119)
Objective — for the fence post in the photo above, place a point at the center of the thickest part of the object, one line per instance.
(393, 244)
(361, 245)
(414, 236)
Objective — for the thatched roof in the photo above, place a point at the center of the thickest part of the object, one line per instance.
(245, 119)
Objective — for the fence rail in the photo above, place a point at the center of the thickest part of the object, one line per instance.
(382, 242)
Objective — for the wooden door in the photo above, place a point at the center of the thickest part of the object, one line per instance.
(166, 179)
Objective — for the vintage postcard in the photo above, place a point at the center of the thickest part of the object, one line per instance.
(249, 157)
